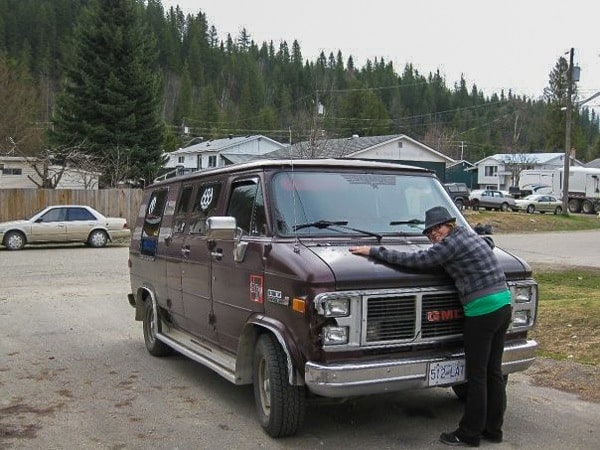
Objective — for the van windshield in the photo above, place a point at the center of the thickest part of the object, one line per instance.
(335, 203)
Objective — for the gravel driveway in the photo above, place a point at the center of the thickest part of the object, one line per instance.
(75, 374)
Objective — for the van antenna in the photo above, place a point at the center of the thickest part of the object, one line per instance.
(296, 240)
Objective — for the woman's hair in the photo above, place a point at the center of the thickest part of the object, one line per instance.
(451, 224)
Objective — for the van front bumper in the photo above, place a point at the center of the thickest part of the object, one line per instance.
(375, 377)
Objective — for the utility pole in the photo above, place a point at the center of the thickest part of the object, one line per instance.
(565, 191)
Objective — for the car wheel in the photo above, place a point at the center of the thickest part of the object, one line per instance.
(97, 238)
(531, 209)
(14, 240)
(574, 205)
(587, 207)
(558, 210)
(280, 406)
(504, 207)
(460, 204)
(151, 326)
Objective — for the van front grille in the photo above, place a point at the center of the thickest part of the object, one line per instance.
(391, 318)
(411, 318)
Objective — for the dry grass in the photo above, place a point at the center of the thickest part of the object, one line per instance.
(568, 325)
(567, 331)
(518, 222)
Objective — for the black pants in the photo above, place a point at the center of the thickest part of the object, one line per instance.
(486, 393)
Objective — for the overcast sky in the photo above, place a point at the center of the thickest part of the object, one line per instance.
(495, 44)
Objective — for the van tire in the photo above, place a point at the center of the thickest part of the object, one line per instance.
(280, 406)
(153, 344)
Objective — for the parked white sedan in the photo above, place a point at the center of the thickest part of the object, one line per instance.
(63, 223)
(541, 203)
(490, 199)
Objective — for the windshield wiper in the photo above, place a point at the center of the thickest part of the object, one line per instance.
(407, 222)
(321, 224)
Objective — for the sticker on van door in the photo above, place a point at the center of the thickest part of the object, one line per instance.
(256, 288)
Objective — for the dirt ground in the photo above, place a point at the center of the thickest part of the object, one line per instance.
(580, 379)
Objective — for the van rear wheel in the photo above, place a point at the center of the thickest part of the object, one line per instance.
(151, 325)
(280, 406)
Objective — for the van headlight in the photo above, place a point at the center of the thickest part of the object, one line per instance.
(521, 319)
(523, 294)
(335, 335)
(336, 307)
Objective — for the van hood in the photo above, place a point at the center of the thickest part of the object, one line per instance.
(357, 272)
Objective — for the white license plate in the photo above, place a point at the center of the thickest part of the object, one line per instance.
(446, 372)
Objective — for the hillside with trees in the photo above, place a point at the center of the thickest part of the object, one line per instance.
(183, 81)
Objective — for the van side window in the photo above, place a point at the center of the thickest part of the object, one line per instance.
(183, 206)
(152, 221)
(205, 203)
(248, 207)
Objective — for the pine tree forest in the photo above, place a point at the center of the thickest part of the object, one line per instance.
(211, 87)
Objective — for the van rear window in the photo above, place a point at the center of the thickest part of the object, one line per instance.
(152, 221)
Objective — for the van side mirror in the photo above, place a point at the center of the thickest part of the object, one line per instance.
(221, 227)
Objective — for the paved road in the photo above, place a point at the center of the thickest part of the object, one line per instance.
(580, 248)
(74, 374)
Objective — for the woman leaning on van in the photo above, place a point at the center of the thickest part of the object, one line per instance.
(486, 300)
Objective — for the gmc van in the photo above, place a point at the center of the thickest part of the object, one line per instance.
(246, 269)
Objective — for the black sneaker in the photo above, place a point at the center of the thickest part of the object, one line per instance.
(453, 439)
(496, 438)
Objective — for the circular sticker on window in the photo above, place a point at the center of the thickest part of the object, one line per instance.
(206, 199)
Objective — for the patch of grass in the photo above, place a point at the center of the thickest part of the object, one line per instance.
(520, 222)
(568, 322)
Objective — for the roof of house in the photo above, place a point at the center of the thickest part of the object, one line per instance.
(221, 145)
(594, 163)
(345, 147)
(523, 158)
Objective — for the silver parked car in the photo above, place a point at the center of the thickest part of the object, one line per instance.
(491, 199)
(541, 203)
(63, 223)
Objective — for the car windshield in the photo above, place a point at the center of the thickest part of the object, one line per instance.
(532, 197)
(345, 203)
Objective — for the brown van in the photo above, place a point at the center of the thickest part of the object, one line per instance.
(246, 270)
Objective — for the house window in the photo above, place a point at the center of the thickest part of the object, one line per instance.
(9, 171)
(212, 161)
(181, 159)
(199, 163)
(491, 171)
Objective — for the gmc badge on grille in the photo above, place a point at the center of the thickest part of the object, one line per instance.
(444, 315)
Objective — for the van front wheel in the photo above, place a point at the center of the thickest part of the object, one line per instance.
(280, 406)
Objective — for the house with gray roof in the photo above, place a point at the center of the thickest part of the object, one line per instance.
(391, 148)
(220, 152)
(500, 171)
(595, 164)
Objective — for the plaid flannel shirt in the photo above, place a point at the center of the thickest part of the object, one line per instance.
(464, 255)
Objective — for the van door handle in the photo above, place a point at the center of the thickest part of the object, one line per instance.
(185, 251)
(217, 254)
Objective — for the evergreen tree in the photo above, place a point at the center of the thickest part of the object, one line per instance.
(111, 101)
